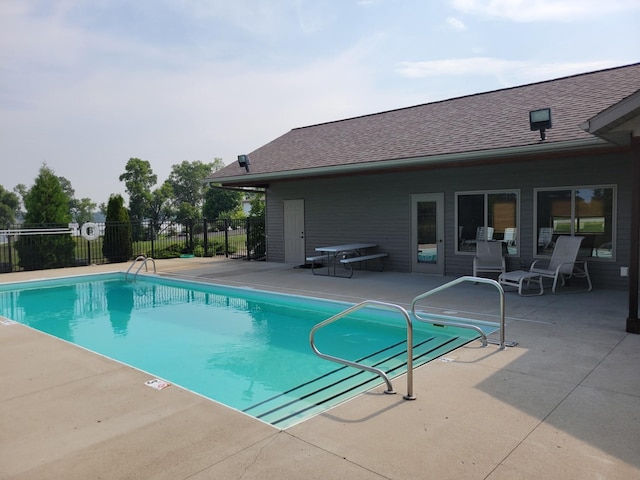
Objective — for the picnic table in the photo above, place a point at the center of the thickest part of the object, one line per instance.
(346, 254)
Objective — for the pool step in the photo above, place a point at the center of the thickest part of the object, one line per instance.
(332, 388)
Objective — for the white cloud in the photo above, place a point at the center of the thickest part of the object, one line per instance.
(544, 10)
(456, 24)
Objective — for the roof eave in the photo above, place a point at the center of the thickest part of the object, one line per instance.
(464, 157)
(616, 123)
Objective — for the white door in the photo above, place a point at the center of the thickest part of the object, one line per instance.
(427, 233)
(294, 231)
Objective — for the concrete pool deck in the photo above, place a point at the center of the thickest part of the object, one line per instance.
(564, 403)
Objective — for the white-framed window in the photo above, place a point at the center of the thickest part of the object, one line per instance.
(587, 211)
(488, 215)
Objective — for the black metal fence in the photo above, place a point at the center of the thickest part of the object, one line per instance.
(38, 247)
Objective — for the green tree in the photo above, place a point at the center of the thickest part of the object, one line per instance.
(161, 208)
(187, 181)
(81, 210)
(9, 206)
(218, 201)
(117, 244)
(138, 179)
(47, 205)
(256, 237)
(257, 204)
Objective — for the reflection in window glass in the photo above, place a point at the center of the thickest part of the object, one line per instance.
(427, 232)
(583, 211)
(487, 216)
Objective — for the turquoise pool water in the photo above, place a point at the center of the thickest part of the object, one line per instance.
(245, 348)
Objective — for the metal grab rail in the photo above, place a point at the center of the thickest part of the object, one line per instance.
(144, 259)
(458, 324)
(389, 306)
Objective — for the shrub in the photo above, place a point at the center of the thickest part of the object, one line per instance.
(117, 244)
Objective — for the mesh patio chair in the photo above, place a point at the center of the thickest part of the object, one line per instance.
(489, 258)
(563, 264)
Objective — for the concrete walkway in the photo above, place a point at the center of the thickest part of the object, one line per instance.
(564, 403)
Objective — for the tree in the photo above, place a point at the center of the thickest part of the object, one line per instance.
(9, 206)
(187, 181)
(161, 208)
(21, 190)
(218, 201)
(256, 235)
(257, 204)
(138, 179)
(47, 205)
(117, 245)
(81, 210)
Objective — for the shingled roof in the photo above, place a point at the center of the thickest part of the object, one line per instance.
(463, 126)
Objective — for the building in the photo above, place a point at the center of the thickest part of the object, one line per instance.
(424, 182)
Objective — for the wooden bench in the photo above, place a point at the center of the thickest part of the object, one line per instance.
(363, 258)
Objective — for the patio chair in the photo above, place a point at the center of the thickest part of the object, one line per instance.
(563, 264)
(510, 236)
(483, 234)
(489, 258)
(510, 239)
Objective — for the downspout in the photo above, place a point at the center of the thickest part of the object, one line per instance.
(633, 323)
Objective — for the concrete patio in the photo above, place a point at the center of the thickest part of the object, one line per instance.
(564, 403)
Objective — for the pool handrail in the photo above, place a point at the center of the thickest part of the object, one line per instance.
(383, 375)
(144, 260)
(453, 283)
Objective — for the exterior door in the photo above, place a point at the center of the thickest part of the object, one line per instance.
(427, 233)
(294, 231)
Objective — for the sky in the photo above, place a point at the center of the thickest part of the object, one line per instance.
(85, 85)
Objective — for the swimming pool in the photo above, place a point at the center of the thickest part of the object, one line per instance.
(245, 348)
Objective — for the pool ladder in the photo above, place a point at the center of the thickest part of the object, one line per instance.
(144, 259)
(380, 373)
(434, 320)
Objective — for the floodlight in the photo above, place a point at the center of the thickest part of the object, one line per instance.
(540, 120)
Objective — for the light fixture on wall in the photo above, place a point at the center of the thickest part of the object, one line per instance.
(243, 161)
(540, 120)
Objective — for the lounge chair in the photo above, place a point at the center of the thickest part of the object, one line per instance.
(563, 264)
(488, 258)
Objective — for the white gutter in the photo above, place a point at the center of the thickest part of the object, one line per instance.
(542, 147)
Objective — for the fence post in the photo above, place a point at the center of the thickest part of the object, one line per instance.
(226, 238)
(247, 225)
(205, 237)
(10, 254)
(152, 226)
(88, 252)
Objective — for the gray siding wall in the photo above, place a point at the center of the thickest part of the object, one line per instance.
(377, 207)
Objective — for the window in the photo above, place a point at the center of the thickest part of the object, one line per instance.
(583, 211)
(491, 216)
